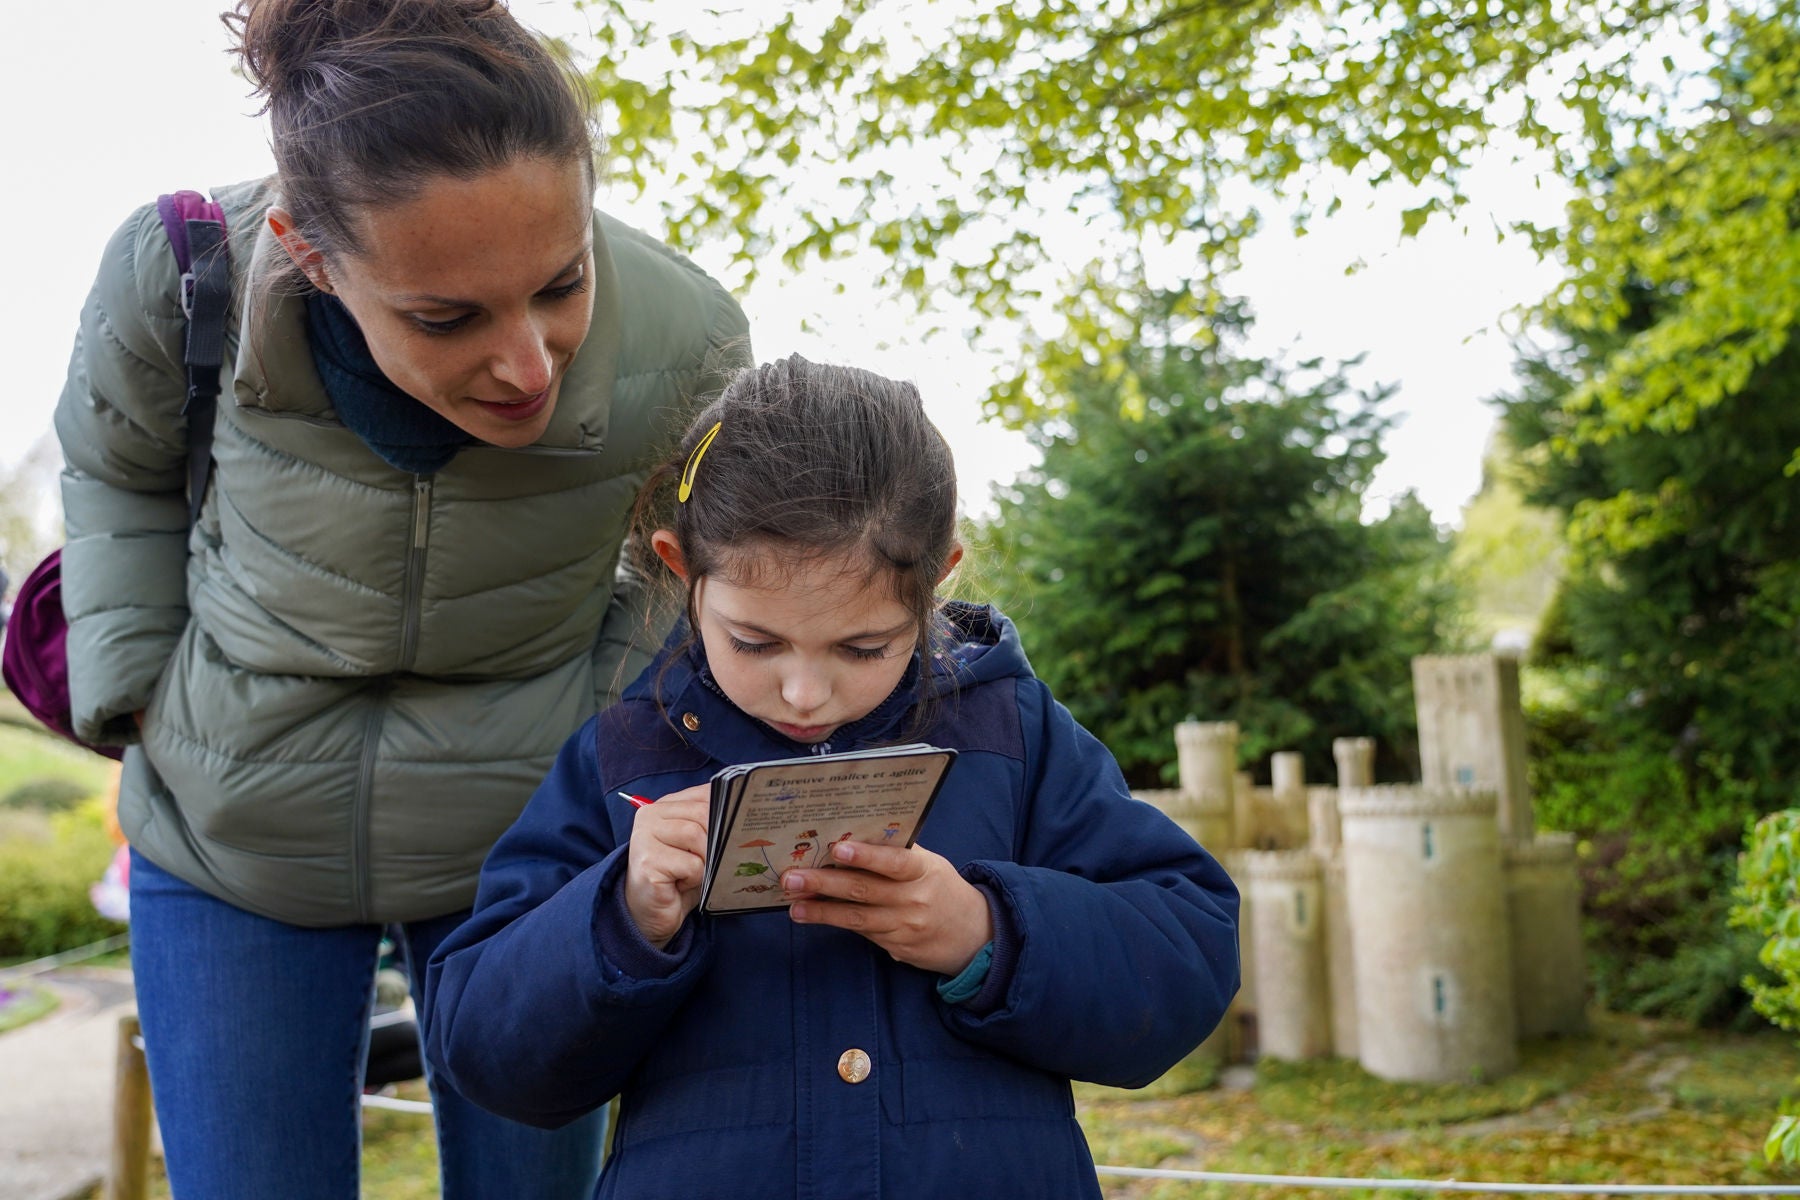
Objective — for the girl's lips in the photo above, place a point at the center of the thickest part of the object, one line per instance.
(803, 733)
(517, 410)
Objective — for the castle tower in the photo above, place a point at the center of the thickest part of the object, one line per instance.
(1293, 1019)
(1433, 956)
(1543, 894)
(1206, 762)
(1242, 1016)
(1355, 761)
(1340, 957)
(1287, 817)
(1472, 732)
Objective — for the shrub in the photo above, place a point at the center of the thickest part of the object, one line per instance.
(47, 865)
(47, 795)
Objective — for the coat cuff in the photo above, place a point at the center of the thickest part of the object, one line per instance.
(623, 950)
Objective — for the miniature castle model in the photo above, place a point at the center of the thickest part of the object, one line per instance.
(1420, 929)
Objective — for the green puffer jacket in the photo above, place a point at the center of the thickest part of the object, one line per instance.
(353, 677)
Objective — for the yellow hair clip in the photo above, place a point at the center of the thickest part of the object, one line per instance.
(693, 463)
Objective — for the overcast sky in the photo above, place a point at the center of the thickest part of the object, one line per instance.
(111, 102)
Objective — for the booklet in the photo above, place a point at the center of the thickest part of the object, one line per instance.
(769, 817)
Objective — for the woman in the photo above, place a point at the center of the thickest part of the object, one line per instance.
(445, 377)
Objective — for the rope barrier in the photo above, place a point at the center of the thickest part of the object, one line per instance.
(1452, 1185)
(91, 950)
(423, 1108)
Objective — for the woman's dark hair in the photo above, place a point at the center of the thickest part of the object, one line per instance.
(368, 99)
(811, 462)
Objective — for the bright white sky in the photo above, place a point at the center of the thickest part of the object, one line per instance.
(111, 102)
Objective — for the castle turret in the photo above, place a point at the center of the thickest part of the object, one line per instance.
(1543, 895)
(1355, 761)
(1472, 732)
(1206, 762)
(1284, 889)
(1433, 957)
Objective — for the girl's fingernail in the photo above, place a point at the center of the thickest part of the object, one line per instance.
(843, 852)
(793, 881)
(799, 912)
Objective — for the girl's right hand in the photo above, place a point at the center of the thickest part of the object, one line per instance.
(666, 863)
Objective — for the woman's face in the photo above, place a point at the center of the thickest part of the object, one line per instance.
(475, 294)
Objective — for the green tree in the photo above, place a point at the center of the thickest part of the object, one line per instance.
(1210, 558)
(1700, 212)
(958, 138)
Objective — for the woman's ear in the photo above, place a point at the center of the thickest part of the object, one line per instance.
(669, 550)
(309, 260)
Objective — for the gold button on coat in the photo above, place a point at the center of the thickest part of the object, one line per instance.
(853, 1066)
(691, 721)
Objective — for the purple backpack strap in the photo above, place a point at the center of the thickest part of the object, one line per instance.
(196, 229)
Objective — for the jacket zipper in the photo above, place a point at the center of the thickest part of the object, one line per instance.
(415, 571)
(360, 884)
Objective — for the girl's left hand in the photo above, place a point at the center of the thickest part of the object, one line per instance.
(910, 902)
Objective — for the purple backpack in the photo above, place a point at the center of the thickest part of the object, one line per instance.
(34, 656)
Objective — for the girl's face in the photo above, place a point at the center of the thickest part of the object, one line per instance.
(475, 294)
(804, 649)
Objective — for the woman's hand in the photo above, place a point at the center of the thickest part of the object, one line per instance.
(910, 902)
(666, 863)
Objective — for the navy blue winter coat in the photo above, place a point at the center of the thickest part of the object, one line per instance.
(1122, 956)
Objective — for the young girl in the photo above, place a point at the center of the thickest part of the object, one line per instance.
(909, 1027)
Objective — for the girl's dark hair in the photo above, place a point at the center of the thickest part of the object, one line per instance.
(810, 462)
(368, 99)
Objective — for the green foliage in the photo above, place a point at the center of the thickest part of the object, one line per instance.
(970, 144)
(47, 795)
(1700, 212)
(1768, 904)
(47, 865)
(34, 763)
(1210, 558)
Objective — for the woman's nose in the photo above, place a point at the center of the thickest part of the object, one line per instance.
(522, 359)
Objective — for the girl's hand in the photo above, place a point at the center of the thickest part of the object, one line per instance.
(666, 863)
(910, 902)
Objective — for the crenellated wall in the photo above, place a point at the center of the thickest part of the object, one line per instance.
(1420, 929)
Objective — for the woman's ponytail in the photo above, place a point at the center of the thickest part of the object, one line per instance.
(367, 99)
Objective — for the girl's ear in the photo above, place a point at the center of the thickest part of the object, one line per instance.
(669, 550)
(950, 563)
(309, 260)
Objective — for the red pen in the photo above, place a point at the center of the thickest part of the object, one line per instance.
(637, 801)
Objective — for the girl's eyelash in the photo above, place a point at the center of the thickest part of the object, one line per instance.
(743, 647)
(860, 653)
(440, 328)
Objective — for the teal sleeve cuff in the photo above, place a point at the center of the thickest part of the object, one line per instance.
(969, 980)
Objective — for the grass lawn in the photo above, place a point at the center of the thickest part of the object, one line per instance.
(1638, 1102)
(28, 755)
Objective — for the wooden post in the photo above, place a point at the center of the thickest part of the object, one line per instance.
(128, 1178)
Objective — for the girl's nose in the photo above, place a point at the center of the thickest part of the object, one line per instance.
(805, 690)
(522, 359)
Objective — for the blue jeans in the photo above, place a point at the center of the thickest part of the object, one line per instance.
(256, 1031)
